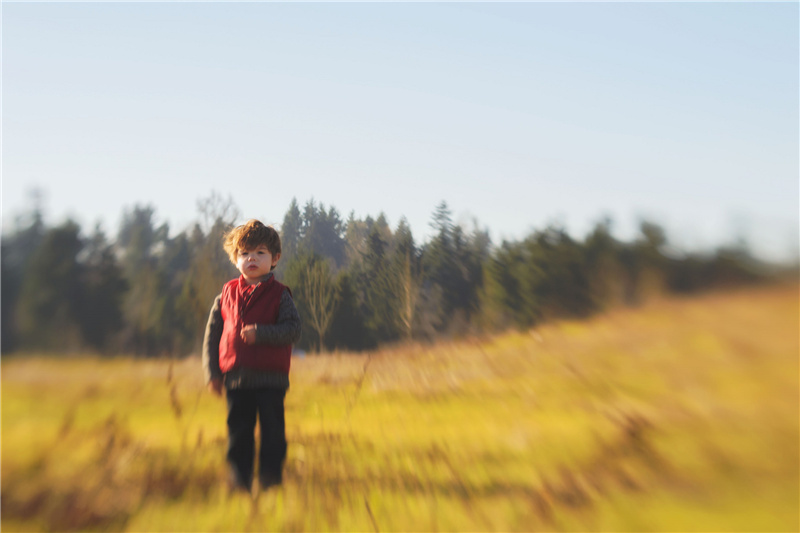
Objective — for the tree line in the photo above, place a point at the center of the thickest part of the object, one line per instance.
(357, 282)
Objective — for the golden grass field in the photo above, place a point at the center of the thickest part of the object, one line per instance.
(681, 415)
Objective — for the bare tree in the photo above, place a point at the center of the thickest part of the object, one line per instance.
(408, 285)
(214, 209)
(321, 297)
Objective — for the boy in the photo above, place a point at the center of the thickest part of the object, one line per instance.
(247, 348)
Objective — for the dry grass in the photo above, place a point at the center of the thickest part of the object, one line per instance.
(679, 416)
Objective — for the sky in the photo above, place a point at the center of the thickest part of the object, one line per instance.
(518, 115)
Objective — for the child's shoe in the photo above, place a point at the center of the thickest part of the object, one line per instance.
(235, 484)
(270, 480)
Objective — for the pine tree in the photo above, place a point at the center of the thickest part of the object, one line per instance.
(17, 248)
(144, 308)
(439, 264)
(377, 283)
(51, 294)
(290, 236)
(606, 276)
(104, 288)
(323, 233)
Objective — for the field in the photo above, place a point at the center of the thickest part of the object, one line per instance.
(681, 415)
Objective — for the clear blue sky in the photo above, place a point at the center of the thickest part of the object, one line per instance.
(517, 114)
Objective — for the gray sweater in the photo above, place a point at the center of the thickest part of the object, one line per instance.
(286, 330)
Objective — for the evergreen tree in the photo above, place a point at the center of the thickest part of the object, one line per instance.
(15, 253)
(508, 296)
(104, 288)
(559, 278)
(348, 328)
(381, 225)
(377, 283)
(290, 236)
(144, 308)
(439, 262)
(605, 269)
(323, 233)
(355, 235)
(453, 262)
(51, 295)
(176, 331)
(645, 264)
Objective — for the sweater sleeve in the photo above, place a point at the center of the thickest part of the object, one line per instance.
(211, 339)
(286, 329)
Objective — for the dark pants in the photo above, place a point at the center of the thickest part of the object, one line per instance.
(243, 406)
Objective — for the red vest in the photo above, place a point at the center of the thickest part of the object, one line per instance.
(242, 304)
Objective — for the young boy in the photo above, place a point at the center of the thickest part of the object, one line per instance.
(247, 348)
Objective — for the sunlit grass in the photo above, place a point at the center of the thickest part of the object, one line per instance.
(681, 415)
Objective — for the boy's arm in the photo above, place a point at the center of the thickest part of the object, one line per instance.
(286, 330)
(211, 343)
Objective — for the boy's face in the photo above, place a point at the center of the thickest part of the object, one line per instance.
(257, 263)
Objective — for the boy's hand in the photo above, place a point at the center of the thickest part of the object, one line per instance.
(215, 386)
(248, 334)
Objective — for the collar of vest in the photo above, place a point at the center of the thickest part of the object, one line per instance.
(244, 285)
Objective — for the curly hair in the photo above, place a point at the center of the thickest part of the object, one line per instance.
(250, 236)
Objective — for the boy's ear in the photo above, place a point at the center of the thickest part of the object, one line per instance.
(275, 258)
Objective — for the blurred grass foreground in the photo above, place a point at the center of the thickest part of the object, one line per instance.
(678, 416)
